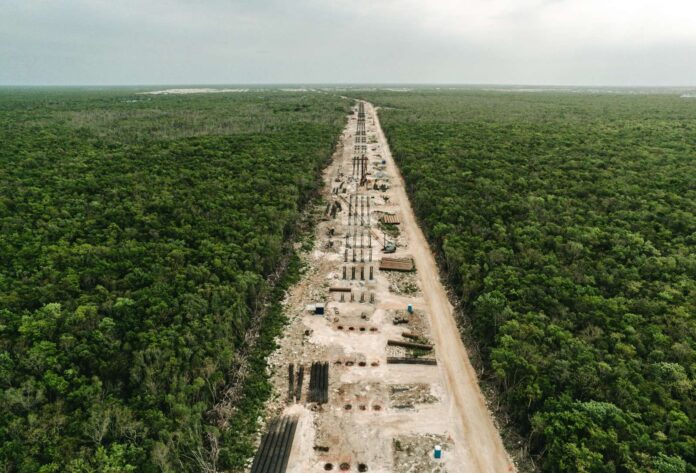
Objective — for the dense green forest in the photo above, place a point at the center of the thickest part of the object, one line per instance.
(566, 224)
(137, 237)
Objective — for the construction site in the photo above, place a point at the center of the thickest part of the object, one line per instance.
(371, 373)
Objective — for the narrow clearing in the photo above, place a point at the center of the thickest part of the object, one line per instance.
(371, 374)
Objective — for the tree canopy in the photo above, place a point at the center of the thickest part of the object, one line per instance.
(137, 234)
(566, 224)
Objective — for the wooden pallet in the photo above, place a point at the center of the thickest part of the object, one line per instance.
(395, 360)
(396, 264)
(390, 219)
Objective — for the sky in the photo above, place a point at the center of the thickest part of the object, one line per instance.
(534, 42)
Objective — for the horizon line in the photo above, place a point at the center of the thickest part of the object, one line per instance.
(351, 84)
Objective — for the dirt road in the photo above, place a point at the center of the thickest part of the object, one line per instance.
(475, 428)
(377, 416)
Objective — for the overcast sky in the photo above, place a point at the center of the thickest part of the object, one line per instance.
(564, 42)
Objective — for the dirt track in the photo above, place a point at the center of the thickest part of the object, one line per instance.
(476, 431)
(379, 417)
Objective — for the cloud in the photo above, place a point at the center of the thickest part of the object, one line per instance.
(451, 41)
